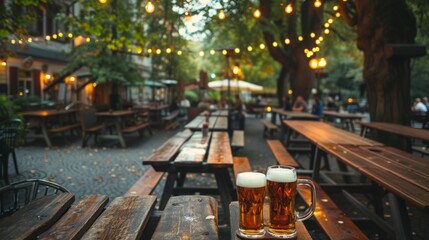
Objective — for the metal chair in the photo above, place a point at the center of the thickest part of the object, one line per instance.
(19, 194)
(9, 135)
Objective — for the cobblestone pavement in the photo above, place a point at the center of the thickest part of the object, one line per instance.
(111, 170)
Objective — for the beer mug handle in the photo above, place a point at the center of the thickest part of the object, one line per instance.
(307, 214)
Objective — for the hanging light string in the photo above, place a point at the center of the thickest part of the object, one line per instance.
(170, 50)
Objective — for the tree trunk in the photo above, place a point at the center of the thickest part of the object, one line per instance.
(281, 85)
(387, 78)
(301, 78)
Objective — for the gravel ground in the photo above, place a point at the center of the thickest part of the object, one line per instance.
(110, 170)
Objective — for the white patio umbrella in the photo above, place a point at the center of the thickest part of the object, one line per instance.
(235, 85)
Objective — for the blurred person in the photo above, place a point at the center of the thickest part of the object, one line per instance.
(222, 103)
(205, 103)
(317, 107)
(419, 106)
(331, 104)
(426, 102)
(300, 105)
(286, 105)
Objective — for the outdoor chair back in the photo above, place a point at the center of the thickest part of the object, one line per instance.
(19, 194)
(10, 132)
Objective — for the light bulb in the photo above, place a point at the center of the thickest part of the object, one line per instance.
(221, 15)
(150, 8)
(257, 13)
(289, 8)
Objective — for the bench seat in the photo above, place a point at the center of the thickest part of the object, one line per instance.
(422, 150)
(331, 219)
(170, 121)
(241, 164)
(282, 156)
(269, 128)
(146, 183)
(237, 140)
(138, 127)
(64, 128)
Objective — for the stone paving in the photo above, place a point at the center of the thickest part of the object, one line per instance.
(110, 170)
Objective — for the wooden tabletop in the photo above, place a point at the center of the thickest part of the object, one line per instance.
(324, 133)
(216, 123)
(221, 113)
(405, 175)
(116, 113)
(290, 115)
(131, 217)
(342, 115)
(401, 130)
(48, 113)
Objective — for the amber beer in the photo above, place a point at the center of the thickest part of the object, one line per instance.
(281, 186)
(251, 195)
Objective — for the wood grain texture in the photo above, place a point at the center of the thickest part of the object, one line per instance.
(146, 183)
(125, 218)
(194, 150)
(36, 217)
(220, 150)
(408, 181)
(323, 133)
(333, 220)
(241, 164)
(397, 129)
(221, 124)
(301, 231)
(77, 220)
(237, 138)
(282, 156)
(169, 149)
(188, 217)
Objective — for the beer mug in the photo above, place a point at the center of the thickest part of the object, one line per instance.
(251, 195)
(281, 186)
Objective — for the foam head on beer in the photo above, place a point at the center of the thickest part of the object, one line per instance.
(251, 180)
(281, 175)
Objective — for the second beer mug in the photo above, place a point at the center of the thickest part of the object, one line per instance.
(281, 186)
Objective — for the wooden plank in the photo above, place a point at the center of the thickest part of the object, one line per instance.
(77, 219)
(221, 124)
(135, 128)
(301, 231)
(188, 217)
(220, 150)
(36, 217)
(333, 221)
(241, 164)
(269, 125)
(281, 154)
(237, 138)
(195, 124)
(193, 151)
(169, 149)
(401, 187)
(146, 183)
(125, 218)
(401, 130)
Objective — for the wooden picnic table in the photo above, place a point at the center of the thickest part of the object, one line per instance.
(397, 129)
(130, 217)
(118, 119)
(404, 176)
(216, 123)
(218, 113)
(346, 119)
(290, 115)
(190, 152)
(51, 121)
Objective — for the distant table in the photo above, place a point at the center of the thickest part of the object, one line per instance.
(346, 119)
(290, 115)
(130, 217)
(156, 112)
(216, 123)
(117, 118)
(400, 130)
(190, 152)
(217, 113)
(403, 175)
(51, 121)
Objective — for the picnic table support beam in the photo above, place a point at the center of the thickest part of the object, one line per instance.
(224, 183)
(316, 164)
(168, 189)
(400, 218)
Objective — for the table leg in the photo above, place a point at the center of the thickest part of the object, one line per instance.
(400, 217)
(119, 132)
(316, 164)
(4, 161)
(45, 134)
(225, 186)
(168, 189)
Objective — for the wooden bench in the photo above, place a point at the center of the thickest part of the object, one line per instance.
(237, 141)
(282, 156)
(64, 128)
(241, 164)
(146, 184)
(170, 121)
(331, 219)
(139, 127)
(269, 128)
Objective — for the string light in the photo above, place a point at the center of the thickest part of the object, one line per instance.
(287, 41)
(212, 52)
(317, 3)
(300, 38)
(337, 14)
(149, 51)
(262, 46)
(335, 8)
(275, 44)
(257, 13)
(201, 54)
(70, 35)
(179, 52)
(54, 36)
(3, 63)
(237, 50)
(249, 48)
(102, 1)
(168, 50)
(158, 51)
(326, 31)
(149, 7)
(221, 14)
(312, 35)
(289, 8)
